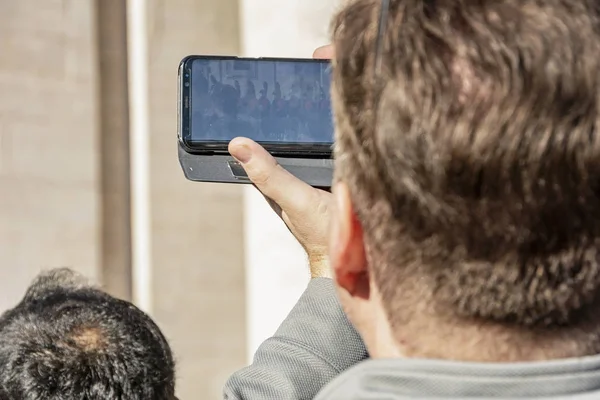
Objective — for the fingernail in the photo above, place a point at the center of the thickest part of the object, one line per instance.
(243, 154)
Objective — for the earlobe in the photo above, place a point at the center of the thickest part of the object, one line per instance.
(347, 249)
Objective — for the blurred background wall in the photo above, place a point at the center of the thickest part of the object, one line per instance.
(222, 269)
(49, 141)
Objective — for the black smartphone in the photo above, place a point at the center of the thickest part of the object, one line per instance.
(283, 104)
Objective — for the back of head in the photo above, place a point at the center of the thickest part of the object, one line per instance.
(472, 153)
(69, 341)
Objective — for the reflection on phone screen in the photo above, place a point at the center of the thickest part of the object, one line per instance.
(265, 100)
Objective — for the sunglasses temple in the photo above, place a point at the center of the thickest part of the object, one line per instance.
(383, 17)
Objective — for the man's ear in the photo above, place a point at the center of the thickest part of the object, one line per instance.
(347, 253)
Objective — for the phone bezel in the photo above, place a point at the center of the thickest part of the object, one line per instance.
(305, 150)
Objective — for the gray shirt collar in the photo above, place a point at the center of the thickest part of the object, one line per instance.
(577, 378)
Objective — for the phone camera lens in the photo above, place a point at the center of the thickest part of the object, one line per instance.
(187, 75)
(187, 84)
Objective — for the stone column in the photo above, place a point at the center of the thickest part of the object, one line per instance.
(197, 246)
(113, 105)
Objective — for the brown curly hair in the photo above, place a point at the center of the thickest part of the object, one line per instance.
(473, 156)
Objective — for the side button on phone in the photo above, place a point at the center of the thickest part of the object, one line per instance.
(238, 171)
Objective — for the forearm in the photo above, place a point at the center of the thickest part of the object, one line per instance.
(312, 346)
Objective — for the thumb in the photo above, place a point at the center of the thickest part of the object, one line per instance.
(268, 176)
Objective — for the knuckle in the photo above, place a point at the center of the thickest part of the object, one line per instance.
(264, 176)
(261, 178)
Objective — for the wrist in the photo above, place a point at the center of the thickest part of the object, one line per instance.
(319, 266)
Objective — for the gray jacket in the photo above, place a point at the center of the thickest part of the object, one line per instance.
(316, 354)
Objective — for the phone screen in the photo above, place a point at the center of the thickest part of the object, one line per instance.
(281, 103)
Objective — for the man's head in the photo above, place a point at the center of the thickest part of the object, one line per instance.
(468, 165)
(67, 340)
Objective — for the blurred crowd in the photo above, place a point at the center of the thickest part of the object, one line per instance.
(227, 110)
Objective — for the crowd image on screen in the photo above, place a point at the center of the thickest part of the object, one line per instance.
(268, 101)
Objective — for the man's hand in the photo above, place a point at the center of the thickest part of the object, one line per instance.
(304, 209)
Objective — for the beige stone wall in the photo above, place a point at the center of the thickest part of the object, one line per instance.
(63, 171)
(49, 208)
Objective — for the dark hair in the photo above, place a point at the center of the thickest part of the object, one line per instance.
(67, 340)
(472, 157)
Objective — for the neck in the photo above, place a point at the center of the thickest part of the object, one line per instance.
(428, 336)
(476, 341)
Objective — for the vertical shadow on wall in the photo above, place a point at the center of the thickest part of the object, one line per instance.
(116, 258)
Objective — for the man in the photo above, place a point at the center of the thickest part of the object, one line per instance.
(464, 241)
(69, 341)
